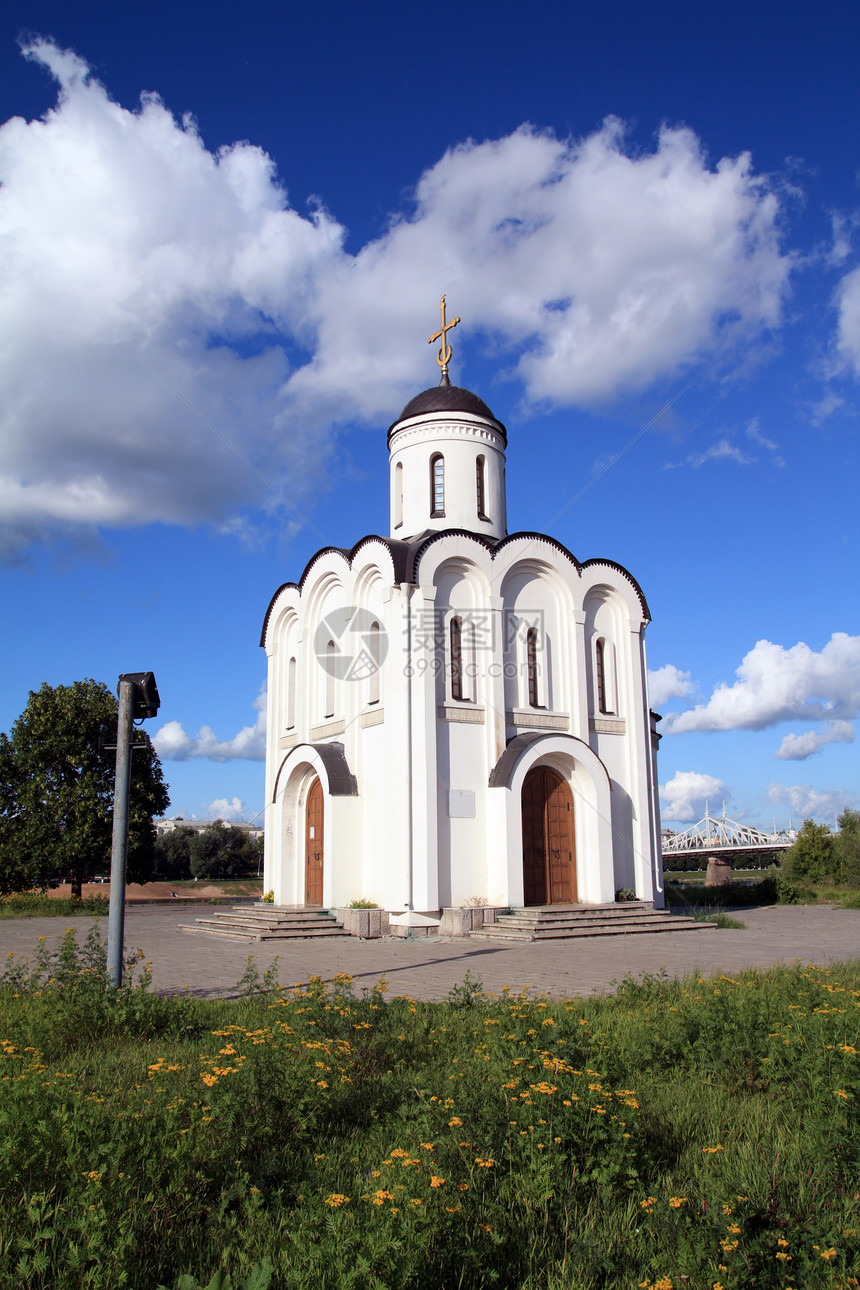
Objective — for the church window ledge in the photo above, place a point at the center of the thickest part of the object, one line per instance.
(466, 712)
(607, 725)
(327, 729)
(374, 717)
(288, 740)
(529, 719)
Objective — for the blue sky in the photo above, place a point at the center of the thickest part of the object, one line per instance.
(645, 216)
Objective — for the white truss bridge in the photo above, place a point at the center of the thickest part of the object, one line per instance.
(716, 834)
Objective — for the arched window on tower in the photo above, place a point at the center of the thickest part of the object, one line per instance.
(330, 663)
(374, 681)
(456, 659)
(437, 486)
(480, 488)
(532, 666)
(398, 495)
(291, 694)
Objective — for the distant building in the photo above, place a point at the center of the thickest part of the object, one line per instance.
(167, 826)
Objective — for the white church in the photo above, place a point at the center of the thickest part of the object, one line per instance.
(458, 715)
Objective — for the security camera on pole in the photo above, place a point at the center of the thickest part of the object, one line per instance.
(138, 699)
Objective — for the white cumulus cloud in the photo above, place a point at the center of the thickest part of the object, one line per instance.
(799, 747)
(668, 682)
(848, 334)
(134, 260)
(173, 743)
(683, 798)
(224, 809)
(776, 684)
(807, 803)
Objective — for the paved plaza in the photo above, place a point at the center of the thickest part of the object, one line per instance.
(427, 969)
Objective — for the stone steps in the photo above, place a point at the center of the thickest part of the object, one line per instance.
(267, 923)
(630, 919)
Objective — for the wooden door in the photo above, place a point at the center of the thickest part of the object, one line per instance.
(314, 845)
(549, 861)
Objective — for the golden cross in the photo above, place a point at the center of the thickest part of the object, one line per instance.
(443, 358)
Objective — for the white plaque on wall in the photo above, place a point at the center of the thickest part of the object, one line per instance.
(461, 804)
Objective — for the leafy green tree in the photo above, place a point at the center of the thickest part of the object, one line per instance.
(57, 788)
(222, 852)
(173, 854)
(848, 846)
(813, 857)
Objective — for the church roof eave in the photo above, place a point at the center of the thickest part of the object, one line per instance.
(600, 561)
(406, 555)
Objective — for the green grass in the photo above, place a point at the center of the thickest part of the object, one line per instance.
(31, 904)
(765, 890)
(677, 1133)
(718, 918)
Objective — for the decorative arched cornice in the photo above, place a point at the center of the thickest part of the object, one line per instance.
(538, 537)
(425, 544)
(406, 556)
(504, 769)
(285, 586)
(398, 550)
(341, 781)
(599, 562)
(343, 552)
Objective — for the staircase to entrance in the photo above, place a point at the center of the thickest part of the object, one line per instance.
(557, 922)
(268, 923)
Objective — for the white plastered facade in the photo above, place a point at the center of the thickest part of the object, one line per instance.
(421, 743)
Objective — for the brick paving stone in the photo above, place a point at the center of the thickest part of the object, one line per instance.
(427, 969)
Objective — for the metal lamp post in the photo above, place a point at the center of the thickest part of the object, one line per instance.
(138, 698)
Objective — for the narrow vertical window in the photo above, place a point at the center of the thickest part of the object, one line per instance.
(479, 488)
(330, 662)
(398, 495)
(375, 678)
(532, 666)
(291, 694)
(600, 674)
(437, 485)
(456, 659)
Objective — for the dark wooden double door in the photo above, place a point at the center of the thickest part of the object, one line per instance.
(314, 845)
(549, 855)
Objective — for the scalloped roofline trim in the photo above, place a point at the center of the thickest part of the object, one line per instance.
(406, 557)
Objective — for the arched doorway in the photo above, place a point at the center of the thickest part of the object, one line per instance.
(549, 860)
(314, 844)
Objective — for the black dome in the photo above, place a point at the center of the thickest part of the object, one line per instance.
(445, 398)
